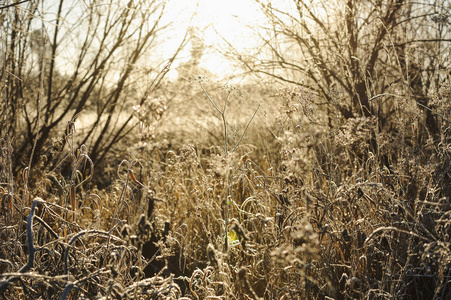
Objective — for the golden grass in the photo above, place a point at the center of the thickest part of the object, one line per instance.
(353, 212)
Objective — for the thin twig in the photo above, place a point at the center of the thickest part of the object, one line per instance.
(247, 126)
(13, 4)
(222, 115)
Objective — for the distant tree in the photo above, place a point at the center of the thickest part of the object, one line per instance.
(183, 94)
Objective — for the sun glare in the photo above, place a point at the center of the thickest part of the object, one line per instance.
(217, 21)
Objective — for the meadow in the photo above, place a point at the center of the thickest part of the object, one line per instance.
(119, 185)
(318, 214)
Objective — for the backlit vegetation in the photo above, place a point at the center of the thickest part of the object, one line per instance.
(336, 186)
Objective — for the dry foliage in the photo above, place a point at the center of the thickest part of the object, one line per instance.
(347, 198)
(345, 213)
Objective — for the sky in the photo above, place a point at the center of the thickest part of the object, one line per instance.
(230, 19)
(213, 20)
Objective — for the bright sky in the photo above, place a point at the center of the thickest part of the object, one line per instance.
(228, 18)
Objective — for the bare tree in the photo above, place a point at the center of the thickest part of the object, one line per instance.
(67, 57)
(15, 28)
(350, 52)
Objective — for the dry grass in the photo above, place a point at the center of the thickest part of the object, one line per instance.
(353, 212)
